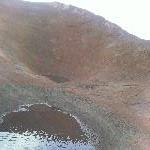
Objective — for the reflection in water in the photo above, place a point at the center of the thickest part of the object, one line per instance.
(40, 127)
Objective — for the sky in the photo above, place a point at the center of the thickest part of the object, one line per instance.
(132, 15)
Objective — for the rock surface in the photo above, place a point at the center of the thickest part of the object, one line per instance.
(71, 58)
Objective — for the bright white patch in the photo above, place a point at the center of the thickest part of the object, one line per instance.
(27, 141)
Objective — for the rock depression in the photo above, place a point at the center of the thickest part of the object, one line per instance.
(72, 59)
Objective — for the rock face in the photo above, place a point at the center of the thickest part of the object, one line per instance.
(65, 41)
(42, 44)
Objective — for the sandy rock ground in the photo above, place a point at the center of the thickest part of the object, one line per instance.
(80, 63)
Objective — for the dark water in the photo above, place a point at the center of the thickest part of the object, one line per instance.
(40, 127)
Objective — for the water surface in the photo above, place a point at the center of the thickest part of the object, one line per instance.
(40, 127)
